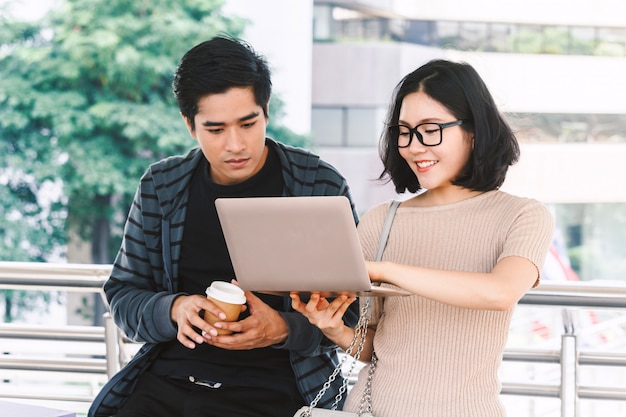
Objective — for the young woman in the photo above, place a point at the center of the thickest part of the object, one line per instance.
(466, 250)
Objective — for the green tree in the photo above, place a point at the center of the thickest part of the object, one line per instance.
(28, 226)
(85, 98)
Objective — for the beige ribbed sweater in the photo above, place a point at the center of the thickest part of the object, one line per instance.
(436, 360)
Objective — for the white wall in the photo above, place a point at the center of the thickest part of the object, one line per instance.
(570, 173)
(550, 173)
(352, 74)
(282, 31)
(552, 83)
(360, 167)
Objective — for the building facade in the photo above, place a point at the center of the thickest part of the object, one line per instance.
(555, 68)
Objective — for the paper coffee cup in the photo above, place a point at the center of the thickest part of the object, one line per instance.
(229, 298)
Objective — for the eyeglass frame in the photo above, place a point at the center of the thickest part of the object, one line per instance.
(413, 132)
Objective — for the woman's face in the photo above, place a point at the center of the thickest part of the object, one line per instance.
(435, 166)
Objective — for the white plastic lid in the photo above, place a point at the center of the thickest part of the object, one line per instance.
(226, 292)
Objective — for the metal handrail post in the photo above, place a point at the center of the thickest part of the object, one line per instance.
(112, 345)
(569, 368)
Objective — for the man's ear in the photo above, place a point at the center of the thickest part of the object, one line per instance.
(190, 127)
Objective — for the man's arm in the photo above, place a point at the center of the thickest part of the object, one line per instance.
(138, 296)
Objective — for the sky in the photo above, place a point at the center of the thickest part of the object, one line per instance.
(31, 9)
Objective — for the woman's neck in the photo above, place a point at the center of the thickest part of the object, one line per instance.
(441, 197)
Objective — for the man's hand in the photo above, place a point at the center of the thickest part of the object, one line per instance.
(264, 327)
(192, 329)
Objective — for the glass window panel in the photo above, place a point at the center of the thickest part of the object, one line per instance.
(322, 22)
(498, 35)
(422, 32)
(472, 36)
(447, 34)
(327, 126)
(555, 40)
(611, 42)
(567, 128)
(363, 127)
(528, 39)
(594, 239)
(582, 40)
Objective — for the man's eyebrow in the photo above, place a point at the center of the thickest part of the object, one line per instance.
(252, 115)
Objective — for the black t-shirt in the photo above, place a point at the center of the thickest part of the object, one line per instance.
(204, 259)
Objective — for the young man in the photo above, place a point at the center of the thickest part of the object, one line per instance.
(173, 248)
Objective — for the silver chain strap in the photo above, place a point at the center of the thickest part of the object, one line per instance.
(365, 406)
(360, 330)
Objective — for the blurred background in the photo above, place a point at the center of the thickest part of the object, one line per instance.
(86, 106)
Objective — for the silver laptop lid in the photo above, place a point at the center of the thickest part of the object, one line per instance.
(280, 244)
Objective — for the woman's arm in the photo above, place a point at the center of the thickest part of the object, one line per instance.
(328, 317)
(499, 289)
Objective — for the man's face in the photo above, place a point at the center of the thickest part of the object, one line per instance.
(230, 128)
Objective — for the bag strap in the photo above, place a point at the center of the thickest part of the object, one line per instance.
(365, 405)
(384, 234)
(359, 336)
(360, 331)
(384, 237)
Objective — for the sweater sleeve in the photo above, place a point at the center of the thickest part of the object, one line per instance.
(530, 234)
(307, 339)
(139, 300)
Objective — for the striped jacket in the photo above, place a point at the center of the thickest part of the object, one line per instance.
(144, 279)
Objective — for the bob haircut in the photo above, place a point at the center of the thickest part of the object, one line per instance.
(459, 88)
(214, 67)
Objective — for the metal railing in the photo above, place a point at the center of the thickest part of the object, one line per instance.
(570, 296)
(105, 362)
(49, 276)
(52, 354)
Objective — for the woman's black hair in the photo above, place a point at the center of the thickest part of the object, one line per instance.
(459, 88)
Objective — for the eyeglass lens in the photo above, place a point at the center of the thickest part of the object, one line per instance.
(429, 134)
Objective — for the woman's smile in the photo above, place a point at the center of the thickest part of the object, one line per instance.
(423, 166)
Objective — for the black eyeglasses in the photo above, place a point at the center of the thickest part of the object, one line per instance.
(428, 134)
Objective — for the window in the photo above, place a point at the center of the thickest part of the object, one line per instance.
(346, 126)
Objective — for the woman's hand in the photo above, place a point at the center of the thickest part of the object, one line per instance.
(327, 316)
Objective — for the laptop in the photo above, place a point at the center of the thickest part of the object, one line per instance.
(303, 244)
